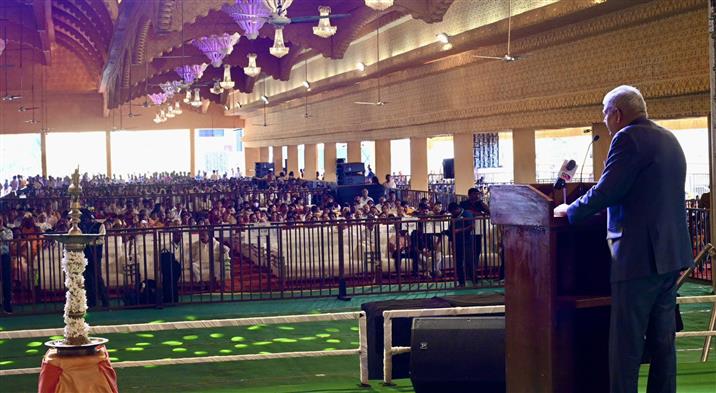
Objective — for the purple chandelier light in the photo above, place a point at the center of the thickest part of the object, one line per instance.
(171, 88)
(216, 47)
(157, 98)
(190, 73)
(250, 15)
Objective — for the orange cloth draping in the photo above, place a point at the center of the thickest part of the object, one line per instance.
(77, 374)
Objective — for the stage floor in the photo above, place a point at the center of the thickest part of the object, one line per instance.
(334, 374)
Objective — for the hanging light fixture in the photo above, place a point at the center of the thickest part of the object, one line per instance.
(157, 98)
(250, 15)
(196, 102)
(216, 47)
(379, 5)
(177, 108)
(157, 119)
(190, 73)
(227, 83)
(216, 89)
(171, 88)
(187, 98)
(2, 46)
(324, 28)
(278, 49)
(252, 70)
(162, 116)
(170, 111)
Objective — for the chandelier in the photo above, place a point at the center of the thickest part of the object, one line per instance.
(216, 89)
(157, 98)
(187, 98)
(170, 111)
(250, 15)
(216, 47)
(379, 5)
(171, 88)
(196, 102)
(177, 108)
(190, 73)
(324, 28)
(252, 70)
(278, 49)
(227, 83)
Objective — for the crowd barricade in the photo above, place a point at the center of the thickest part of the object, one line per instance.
(162, 266)
(700, 231)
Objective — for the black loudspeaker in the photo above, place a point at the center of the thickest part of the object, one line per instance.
(350, 180)
(458, 354)
(263, 168)
(449, 168)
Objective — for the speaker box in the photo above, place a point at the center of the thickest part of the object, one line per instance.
(263, 168)
(449, 168)
(350, 168)
(458, 354)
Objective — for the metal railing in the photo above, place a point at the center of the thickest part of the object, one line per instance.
(700, 234)
(160, 266)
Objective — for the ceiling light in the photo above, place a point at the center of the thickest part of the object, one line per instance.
(227, 83)
(265, 99)
(157, 119)
(216, 47)
(307, 85)
(190, 73)
(324, 28)
(177, 108)
(442, 38)
(157, 98)
(252, 70)
(187, 99)
(447, 46)
(162, 116)
(170, 111)
(2, 46)
(196, 102)
(379, 5)
(360, 66)
(278, 49)
(216, 89)
(250, 15)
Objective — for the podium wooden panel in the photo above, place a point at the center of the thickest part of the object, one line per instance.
(556, 292)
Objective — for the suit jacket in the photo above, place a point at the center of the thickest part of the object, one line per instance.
(643, 188)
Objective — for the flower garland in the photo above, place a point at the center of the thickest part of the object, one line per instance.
(76, 330)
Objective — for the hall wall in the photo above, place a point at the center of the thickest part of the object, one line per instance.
(659, 46)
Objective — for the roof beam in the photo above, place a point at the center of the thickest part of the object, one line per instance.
(45, 28)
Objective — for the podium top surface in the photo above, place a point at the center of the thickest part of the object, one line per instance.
(531, 204)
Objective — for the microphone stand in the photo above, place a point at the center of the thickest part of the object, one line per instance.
(581, 170)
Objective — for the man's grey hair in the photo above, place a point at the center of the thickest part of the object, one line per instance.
(626, 98)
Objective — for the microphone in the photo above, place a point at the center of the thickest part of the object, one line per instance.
(565, 174)
(594, 139)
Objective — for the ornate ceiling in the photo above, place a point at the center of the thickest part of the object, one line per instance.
(152, 38)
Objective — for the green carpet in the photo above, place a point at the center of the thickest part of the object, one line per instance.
(331, 374)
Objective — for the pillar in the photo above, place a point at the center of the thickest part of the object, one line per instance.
(382, 159)
(419, 163)
(354, 151)
(251, 157)
(108, 150)
(192, 152)
(43, 152)
(264, 154)
(600, 148)
(329, 162)
(464, 162)
(310, 157)
(292, 164)
(525, 163)
(277, 159)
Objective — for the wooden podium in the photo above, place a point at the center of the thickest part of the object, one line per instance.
(556, 292)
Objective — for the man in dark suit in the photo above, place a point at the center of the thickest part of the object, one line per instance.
(643, 189)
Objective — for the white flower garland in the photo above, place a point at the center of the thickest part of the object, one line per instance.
(76, 330)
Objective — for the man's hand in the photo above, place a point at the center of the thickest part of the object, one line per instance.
(561, 210)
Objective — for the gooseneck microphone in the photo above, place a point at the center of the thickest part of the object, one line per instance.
(581, 171)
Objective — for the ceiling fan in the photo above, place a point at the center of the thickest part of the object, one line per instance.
(379, 102)
(278, 17)
(507, 57)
